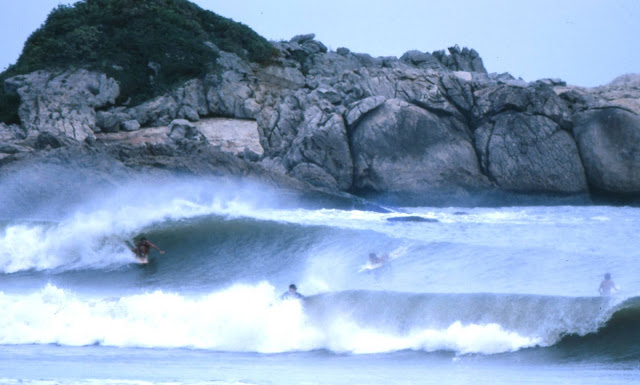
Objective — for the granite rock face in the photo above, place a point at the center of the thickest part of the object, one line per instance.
(403, 148)
(529, 153)
(181, 129)
(609, 143)
(320, 152)
(62, 103)
(349, 122)
(606, 127)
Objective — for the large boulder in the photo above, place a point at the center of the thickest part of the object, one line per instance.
(62, 103)
(192, 101)
(320, 153)
(529, 153)
(399, 147)
(130, 125)
(111, 120)
(156, 112)
(609, 144)
(182, 129)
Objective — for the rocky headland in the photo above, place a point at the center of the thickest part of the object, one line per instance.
(430, 126)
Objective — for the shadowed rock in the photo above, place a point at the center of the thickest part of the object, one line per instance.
(401, 147)
(62, 103)
(528, 153)
(609, 143)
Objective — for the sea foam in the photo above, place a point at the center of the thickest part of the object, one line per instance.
(241, 318)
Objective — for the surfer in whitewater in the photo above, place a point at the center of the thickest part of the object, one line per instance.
(143, 248)
(292, 293)
(607, 286)
(379, 266)
(381, 260)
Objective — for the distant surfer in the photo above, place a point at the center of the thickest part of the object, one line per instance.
(607, 286)
(143, 248)
(375, 260)
(292, 293)
(379, 266)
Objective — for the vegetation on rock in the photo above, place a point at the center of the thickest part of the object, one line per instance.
(148, 46)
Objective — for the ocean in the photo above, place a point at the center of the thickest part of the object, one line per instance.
(483, 295)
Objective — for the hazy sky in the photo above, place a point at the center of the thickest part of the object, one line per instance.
(585, 42)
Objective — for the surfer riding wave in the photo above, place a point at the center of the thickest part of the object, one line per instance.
(143, 248)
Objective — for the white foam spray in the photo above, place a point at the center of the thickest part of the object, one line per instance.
(93, 233)
(240, 318)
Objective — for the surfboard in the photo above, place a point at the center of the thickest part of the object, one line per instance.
(370, 266)
(400, 251)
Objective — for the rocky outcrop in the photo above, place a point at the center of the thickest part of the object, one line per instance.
(606, 127)
(529, 153)
(320, 152)
(457, 60)
(522, 139)
(344, 121)
(609, 143)
(404, 148)
(62, 103)
(184, 130)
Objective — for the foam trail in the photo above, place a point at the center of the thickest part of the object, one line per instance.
(346, 336)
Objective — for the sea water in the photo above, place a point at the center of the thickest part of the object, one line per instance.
(488, 295)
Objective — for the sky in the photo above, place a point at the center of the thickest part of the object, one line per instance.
(583, 42)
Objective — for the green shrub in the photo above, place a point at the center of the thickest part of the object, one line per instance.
(123, 37)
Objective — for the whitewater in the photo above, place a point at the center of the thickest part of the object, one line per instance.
(496, 295)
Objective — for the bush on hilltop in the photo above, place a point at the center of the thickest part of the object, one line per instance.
(149, 46)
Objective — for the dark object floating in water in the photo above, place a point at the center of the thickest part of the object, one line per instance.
(411, 218)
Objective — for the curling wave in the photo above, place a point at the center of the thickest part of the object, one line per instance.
(251, 318)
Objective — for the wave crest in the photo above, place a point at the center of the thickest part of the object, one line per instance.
(250, 318)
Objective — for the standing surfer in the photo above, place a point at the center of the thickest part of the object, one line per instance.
(607, 286)
(375, 260)
(292, 293)
(379, 265)
(143, 248)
